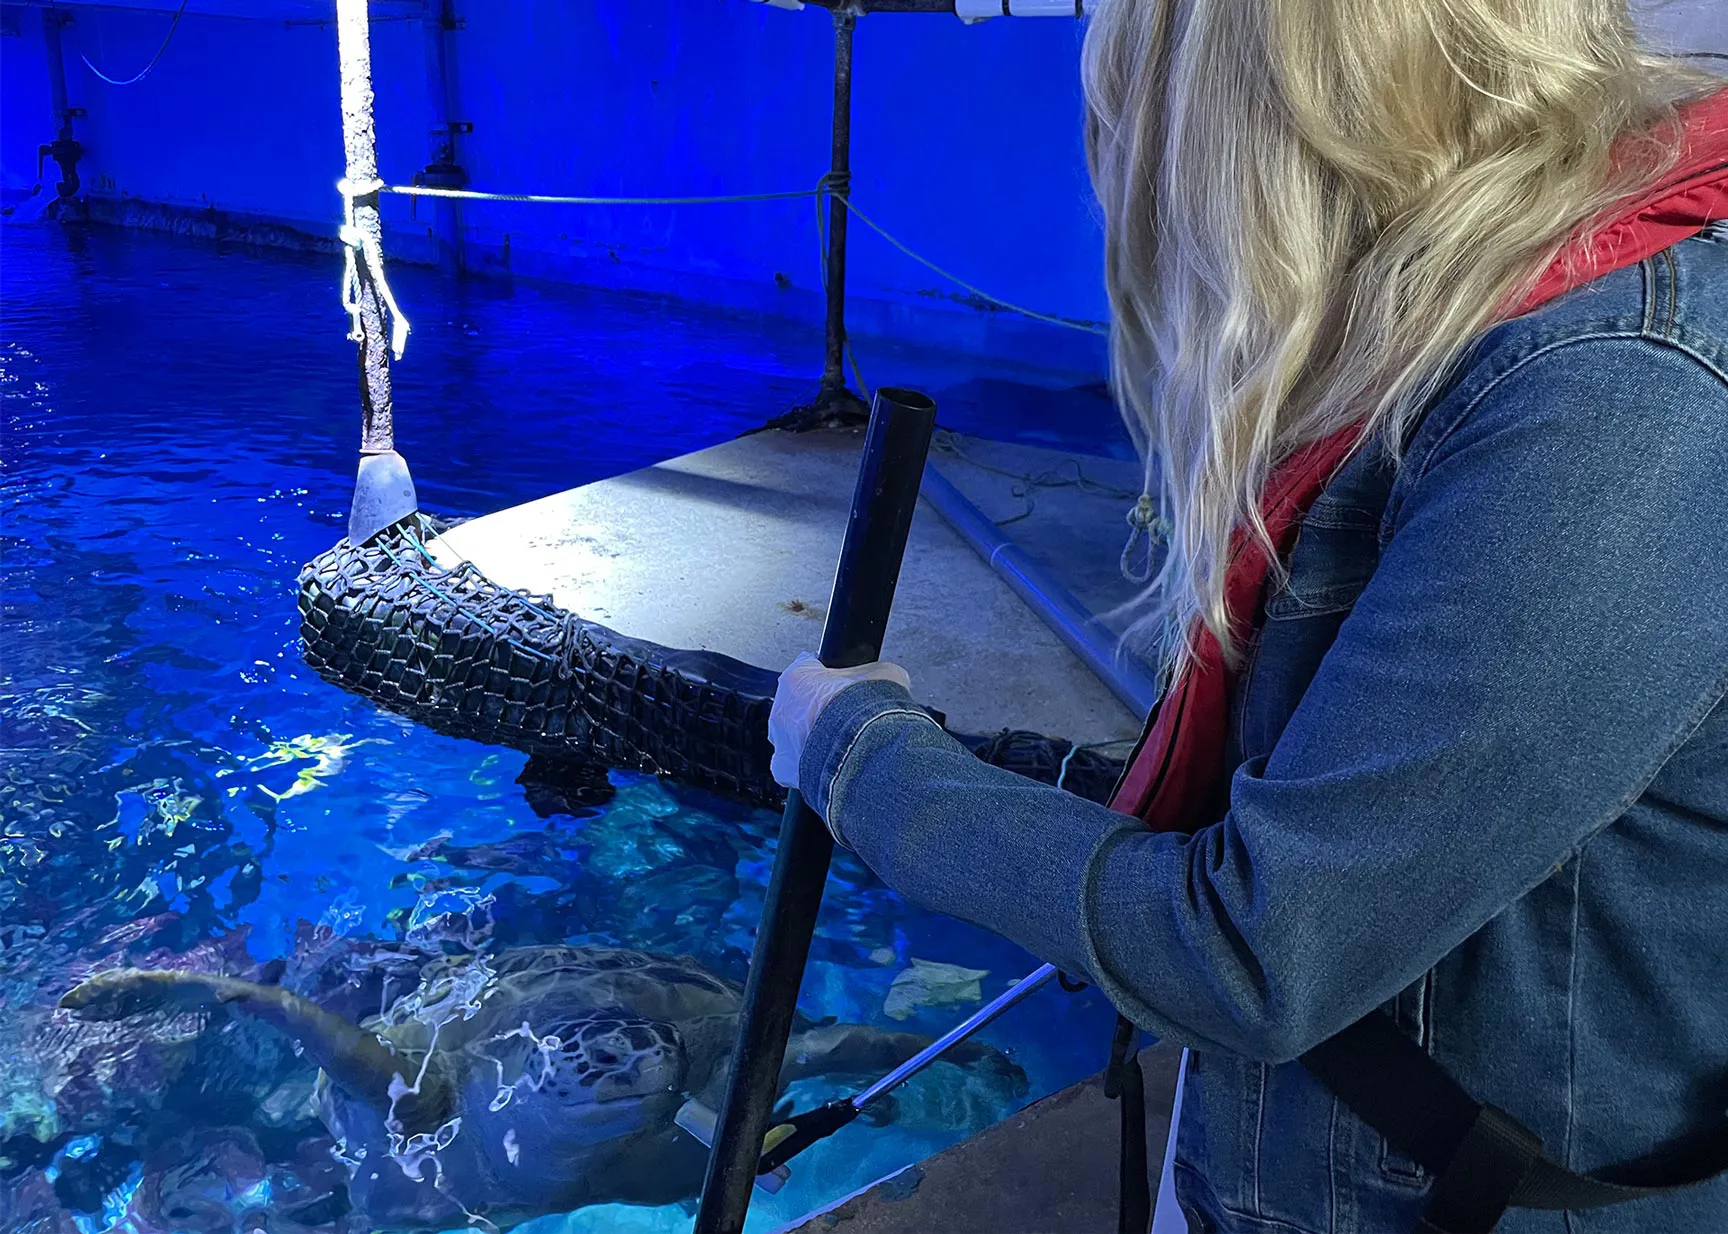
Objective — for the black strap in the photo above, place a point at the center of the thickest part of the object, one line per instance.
(1124, 1083)
(1482, 1160)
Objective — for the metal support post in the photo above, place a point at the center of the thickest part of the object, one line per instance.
(383, 490)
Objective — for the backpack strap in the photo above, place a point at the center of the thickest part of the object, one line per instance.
(1124, 1084)
(1482, 1160)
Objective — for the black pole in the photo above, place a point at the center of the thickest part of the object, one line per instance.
(835, 402)
(895, 448)
(65, 149)
(839, 173)
(443, 168)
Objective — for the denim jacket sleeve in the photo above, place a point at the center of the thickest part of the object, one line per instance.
(1547, 624)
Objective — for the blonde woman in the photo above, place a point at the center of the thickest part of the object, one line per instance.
(1421, 318)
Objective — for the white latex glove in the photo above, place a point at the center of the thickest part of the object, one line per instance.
(806, 687)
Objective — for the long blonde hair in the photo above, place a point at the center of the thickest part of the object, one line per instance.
(1312, 207)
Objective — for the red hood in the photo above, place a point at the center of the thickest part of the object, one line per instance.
(1681, 204)
(1178, 774)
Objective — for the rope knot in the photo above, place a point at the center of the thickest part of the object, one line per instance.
(1143, 522)
(350, 189)
(362, 253)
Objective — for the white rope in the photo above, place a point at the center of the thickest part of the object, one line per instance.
(357, 247)
(368, 250)
(418, 190)
(829, 186)
(1083, 327)
(1062, 774)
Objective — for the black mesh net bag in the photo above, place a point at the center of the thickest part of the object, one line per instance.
(1091, 772)
(449, 648)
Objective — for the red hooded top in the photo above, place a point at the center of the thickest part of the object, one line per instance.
(1180, 768)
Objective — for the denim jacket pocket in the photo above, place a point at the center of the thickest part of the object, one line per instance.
(1290, 604)
(1335, 555)
(1334, 558)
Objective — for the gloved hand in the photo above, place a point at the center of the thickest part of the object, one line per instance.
(806, 687)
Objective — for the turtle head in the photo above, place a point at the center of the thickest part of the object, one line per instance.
(585, 1082)
(568, 1111)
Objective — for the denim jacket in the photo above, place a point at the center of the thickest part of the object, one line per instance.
(1482, 782)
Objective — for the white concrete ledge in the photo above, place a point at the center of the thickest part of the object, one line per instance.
(732, 550)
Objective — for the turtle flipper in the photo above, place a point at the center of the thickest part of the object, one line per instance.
(123, 993)
(353, 1058)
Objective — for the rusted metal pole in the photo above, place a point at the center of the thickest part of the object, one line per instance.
(359, 140)
(383, 490)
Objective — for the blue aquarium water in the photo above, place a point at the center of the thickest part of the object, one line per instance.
(180, 791)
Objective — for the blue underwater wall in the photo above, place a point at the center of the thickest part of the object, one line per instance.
(966, 145)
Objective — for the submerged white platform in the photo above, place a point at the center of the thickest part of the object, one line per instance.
(732, 549)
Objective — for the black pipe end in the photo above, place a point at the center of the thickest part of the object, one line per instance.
(911, 400)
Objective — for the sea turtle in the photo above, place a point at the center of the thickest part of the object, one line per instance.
(505, 1087)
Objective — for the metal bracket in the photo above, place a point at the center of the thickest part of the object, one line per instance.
(442, 175)
(63, 150)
